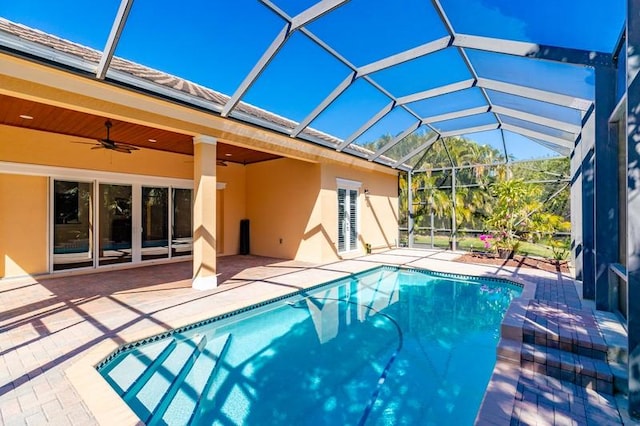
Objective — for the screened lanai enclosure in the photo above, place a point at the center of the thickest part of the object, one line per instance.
(481, 206)
(456, 95)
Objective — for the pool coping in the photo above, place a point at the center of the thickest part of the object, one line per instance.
(500, 395)
(109, 408)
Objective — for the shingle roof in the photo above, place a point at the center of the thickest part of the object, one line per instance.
(217, 99)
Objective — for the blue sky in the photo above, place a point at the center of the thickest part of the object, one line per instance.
(216, 43)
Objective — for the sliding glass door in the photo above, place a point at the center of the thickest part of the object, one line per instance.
(155, 223)
(115, 231)
(181, 243)
(99, 224)
(72, 225)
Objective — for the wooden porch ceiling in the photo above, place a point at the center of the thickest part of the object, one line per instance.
(38, 116)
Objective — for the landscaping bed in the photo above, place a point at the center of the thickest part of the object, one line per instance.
(518, 261)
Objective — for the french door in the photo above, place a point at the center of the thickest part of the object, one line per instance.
(98, 223)
(347, 220)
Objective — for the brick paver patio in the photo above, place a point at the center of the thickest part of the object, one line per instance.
(49, 325)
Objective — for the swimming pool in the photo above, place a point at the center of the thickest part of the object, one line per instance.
(386, 346)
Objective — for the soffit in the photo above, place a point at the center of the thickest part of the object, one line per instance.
(77, 124)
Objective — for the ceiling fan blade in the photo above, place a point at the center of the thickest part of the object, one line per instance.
(122, 149)
(126, 146)
(84, 143)
(107, 143)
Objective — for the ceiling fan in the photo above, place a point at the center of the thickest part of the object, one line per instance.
(107, 143)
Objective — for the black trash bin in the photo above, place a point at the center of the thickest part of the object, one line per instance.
(244, 236)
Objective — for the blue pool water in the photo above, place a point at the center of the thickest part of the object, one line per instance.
(385, 347)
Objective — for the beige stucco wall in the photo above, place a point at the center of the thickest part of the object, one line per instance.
(297, 202)
(23, 225)
(234, 205)
(283, 209)
(36, 147)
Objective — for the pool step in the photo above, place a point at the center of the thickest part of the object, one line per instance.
(565, 343)
(581, 370)
(213, 378)
(180, 404)
(179, 380)
(557, 326)
(128, 370)
(146, 394)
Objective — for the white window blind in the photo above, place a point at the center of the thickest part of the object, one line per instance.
(347, 216)
(342, 224)
(353, 235)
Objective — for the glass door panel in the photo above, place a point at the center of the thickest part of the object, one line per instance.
(182, 239)
(115, 224)
(353, 223)
(347, 220)
(343, 221)
(72, 225)
(155, 223)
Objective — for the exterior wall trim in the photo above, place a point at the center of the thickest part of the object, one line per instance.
(210, 140)
(90, 175)
(348, 184)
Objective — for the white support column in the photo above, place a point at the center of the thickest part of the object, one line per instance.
(204, 213)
